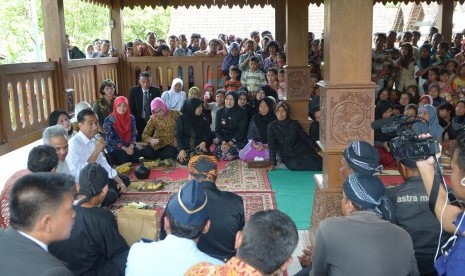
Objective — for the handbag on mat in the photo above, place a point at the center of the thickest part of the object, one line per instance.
(134, 224)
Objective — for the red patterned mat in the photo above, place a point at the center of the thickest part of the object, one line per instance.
(233, 176)
(253, 201)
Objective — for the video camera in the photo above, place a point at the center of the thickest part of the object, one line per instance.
(406, 144)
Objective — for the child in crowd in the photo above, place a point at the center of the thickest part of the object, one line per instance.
(443, 54)
(413, 91)
(234, 83)
(281, 60)
(194, 92)
(451, 67)
(253, 78)
(256, 100)
(458, 84)
(282, 85)
(433, 77)
(214, 107)
(444, 85)
(209, 93)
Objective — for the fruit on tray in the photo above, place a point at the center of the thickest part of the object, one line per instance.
(124, 168)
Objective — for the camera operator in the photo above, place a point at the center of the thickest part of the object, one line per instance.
(412, 213)
(450, 216)
(383, 110)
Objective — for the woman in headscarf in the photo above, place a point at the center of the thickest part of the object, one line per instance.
(193, 134)
(208, 96)
(194, 92)
(457, 126)
(120, 133)
(104, 106)
(422, 65)
(160, 132)
(89, 50)
(230, 129)
(174, 98)
(384, 110)
(231, 59)
(257, 133)
(429, 123)
(289, 140)
(406, 64)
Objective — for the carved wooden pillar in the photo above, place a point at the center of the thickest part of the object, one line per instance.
(445, 16)
(347, 97)
(297, 70)
(55, 44)
(117, 41)
(280, 21)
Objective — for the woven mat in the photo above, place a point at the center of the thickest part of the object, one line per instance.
(253, 201)
(233, 176)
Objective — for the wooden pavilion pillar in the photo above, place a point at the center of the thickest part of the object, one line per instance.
(297, 69)
(280, 21)
(117, 41)
(347, 97)
(55, 45)
(445, 16)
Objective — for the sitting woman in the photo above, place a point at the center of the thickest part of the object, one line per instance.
(429, 122)
(384, 110)
(230, 129)
(457, 126)
(194, 92)
(61, 117)
(287, 138)
(120, 133)
(193, 134)
(95, 247)
(243, 102)
(104, 106)
(257, 134)
(174, 98)
(314, 131)
(160, 132)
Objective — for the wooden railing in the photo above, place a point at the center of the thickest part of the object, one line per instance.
(194, 71)
(28, 94)
(86, 75)
(29, 91)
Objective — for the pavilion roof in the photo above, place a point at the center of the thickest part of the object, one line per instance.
(229, 3)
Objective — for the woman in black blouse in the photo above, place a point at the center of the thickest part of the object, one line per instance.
(193, 134)
(288, 139)
(230, 128)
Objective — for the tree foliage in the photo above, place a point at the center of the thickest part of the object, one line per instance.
(84, 22)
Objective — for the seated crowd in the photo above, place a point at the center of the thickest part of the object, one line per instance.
(54, 208)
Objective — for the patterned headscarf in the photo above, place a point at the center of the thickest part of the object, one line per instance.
(203, 166)
(368, 193)
(159, 103)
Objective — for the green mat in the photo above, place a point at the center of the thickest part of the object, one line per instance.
(294, 192)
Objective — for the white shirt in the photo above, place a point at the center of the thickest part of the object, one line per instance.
(62, 167)
(80, 149)
(172, 256)
(41, 244)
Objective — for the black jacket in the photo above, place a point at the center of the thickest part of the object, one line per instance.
(184, 133)
(289, 139)
(227, 217)
(231, 124)
(136, 103)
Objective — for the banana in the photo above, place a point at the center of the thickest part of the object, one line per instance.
(124, 168)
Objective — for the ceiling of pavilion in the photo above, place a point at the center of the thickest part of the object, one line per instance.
(222, 3)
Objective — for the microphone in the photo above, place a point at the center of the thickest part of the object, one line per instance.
(98, 136)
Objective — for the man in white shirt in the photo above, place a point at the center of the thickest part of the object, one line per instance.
(87, 148)
(187, 217)
(57, 137)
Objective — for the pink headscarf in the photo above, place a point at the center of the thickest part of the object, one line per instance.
(212, 96)
(159, 103)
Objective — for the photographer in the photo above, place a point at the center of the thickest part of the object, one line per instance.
(450, 216)
(412, 213)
